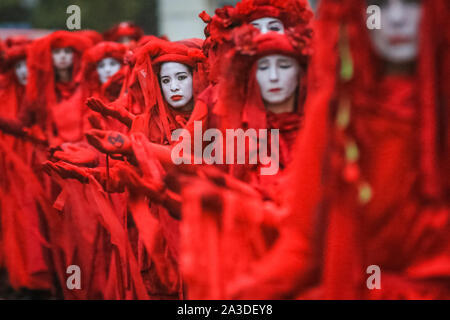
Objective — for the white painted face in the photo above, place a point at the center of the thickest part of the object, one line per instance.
(268, 24)
(176, 84)
(106, 68)
(62, 58)
(277, 76)
(398, 39)
(21, 71)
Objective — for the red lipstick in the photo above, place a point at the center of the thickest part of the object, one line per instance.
(176, 98)
(398, 40)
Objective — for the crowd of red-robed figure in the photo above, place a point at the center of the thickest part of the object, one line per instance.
(87, 177)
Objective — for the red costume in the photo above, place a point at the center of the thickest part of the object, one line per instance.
(47, 99)
(365, 182)
(231, 53)
(157, 123)
(22, 244)
(232, 215)
(90, 83)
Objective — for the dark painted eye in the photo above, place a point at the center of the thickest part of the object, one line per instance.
(263, 66)
(285, 64)
(165, 81)
(181, 78)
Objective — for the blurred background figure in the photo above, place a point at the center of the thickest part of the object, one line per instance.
(177, 19)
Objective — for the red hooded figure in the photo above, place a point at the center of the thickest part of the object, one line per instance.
(368, 216)
(291, 17)
(12, 88)
(47, 92)
(95, 85)
(241, 102)
(159, 118)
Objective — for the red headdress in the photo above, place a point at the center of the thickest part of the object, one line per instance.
(91, 83)
(41, 88)
(195, 43)
(145, 75)
(16, 49)
(124, 29)
(290, 12)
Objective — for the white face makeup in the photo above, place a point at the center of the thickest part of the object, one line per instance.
(106, 68)
(21, 71)
(268, 24)
(62, 58)
(398, 39)
(176, 84)
(277, 76)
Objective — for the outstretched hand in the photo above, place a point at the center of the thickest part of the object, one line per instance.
(109, 142)
(120, 114)
(66, 171)
(98, 106)
(76, 154)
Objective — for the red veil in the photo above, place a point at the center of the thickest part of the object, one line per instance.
(240, 104)
(43, 93)
(159, 119)
(41, 88)
(90, 83)
(10, 90)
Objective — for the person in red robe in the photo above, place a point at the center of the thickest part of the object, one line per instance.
(368, 215)
(103, 75)
(47, 118)
(14, 76)
(21, 251)
(166, 78)
(278, 16)
(53, 65)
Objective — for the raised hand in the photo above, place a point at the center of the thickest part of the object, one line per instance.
(77, 154)
(109, 142)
